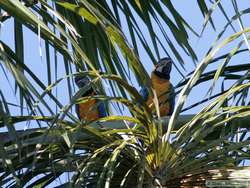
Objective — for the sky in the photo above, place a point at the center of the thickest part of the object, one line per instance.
(35, 54)
(36, 59)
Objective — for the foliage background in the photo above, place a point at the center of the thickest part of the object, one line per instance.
(36, 59)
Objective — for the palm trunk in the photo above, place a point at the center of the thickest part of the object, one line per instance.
(213, 178)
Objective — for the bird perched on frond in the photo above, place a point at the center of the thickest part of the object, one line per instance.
(92, 109)
(160, 79)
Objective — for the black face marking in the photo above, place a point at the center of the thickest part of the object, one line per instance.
(163, 68)
(82, 81)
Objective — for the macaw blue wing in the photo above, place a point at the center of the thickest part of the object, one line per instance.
(144, 93)
(77, 111)
(102, 110)
(171, 100)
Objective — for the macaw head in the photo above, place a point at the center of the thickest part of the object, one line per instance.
(81, 81)
(163, 68)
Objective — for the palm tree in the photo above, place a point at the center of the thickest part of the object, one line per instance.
(88, 39)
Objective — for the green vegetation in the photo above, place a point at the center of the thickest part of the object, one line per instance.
(85, 37)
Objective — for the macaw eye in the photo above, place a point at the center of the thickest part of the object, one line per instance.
(82, 82)
(160, 68)
(160, 64)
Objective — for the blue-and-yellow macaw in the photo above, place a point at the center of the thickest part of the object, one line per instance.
(90, 110)
(160, 78)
